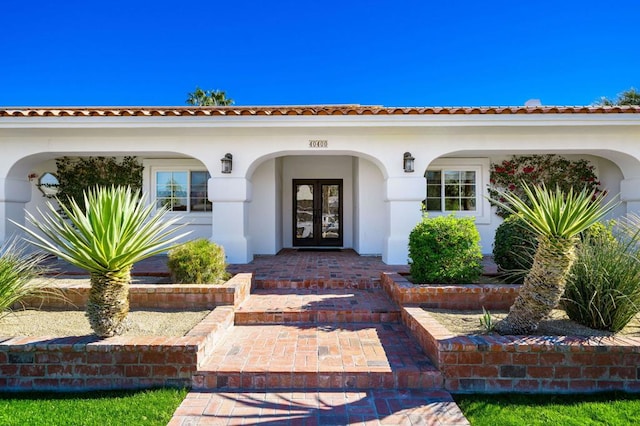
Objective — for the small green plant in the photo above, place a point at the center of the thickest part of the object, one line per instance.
(486, 321)
(18, 271)
(198, 262)
(513, 248)
(603, 289)
(445, 249)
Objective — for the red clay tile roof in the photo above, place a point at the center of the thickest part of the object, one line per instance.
(302, 110)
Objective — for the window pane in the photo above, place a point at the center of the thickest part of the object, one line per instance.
(451, 190)
(171, 190)
(451, 177)
(469, 204)
(199, 197)
(451, 204)
(433, 177)
(433, 190)
(469, 190)
(434, 204)
(469, 177)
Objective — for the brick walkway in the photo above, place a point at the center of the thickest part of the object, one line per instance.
(326, 356)
(310, 269)
(318, 342)
(367, 407)
(276, 306)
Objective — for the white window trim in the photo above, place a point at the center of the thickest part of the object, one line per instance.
(152, 166)
(482, 213)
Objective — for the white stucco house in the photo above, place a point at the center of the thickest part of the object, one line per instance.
(314, 176)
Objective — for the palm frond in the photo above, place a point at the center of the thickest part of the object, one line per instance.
(556, 213)
(114, 230)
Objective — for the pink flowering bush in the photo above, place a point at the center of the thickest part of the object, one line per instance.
(551, 170)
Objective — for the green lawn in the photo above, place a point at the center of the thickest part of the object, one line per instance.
(598, 409)
(151, 407)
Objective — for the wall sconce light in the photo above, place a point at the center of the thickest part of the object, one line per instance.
(227, 163)
(407, 162)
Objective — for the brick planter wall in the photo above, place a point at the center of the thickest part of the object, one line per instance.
(442, 296)
(87, 363)
(159, 296)
(537, 364)
(493, 363)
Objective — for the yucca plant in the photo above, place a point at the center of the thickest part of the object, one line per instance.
(557, 218)
(18, 273)
(113, 231)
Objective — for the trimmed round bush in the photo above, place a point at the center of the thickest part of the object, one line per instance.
(198, 262)
(513, 248)
(445, 249)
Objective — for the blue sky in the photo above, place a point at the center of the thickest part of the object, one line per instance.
(392, 53)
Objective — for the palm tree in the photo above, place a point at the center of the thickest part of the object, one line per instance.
(557, 218)
(106, 237)
(627, 97)
(201, 97)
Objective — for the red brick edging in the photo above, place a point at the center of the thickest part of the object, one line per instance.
(443, 296)
(159, 296)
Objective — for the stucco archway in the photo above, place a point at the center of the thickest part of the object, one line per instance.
(21, 191)
(270, 208)
(613, 169)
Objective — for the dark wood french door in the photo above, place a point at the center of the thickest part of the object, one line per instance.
(317, 213)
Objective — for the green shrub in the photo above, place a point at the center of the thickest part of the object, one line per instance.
(198, 262)
(603, 289)
(445, 249)
(513, 248)
(598, 231)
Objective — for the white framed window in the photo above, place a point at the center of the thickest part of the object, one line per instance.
(182, 190)
(455, 185)
(180, 185)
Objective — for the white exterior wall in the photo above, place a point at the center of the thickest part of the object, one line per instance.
(265, 227)
(381, 201)
(369, 208)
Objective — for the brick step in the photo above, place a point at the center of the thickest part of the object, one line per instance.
(278, 306)
(317, 283)
(317, 356)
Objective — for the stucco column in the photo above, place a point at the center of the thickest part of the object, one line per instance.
(630, 194)
(230, 216)
(14, 193)
(404, 197)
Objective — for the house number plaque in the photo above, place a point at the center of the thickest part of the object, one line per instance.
(318, 143)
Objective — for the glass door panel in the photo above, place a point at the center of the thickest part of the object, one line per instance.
(304, 217)
(331, 211)
(317, 218)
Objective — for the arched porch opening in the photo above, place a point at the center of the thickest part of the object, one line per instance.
(353, 211)
(22, 193)
(614, 169)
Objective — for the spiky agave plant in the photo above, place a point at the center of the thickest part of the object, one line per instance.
(113, 231)
(557, 218)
